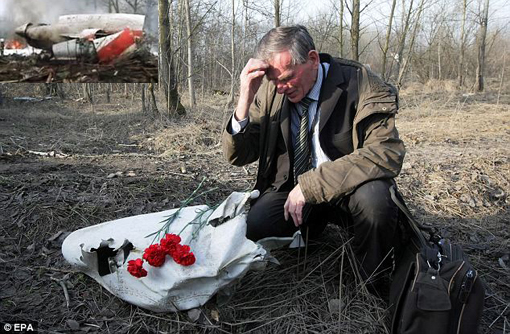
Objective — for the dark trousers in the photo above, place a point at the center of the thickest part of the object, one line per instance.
(369, 214)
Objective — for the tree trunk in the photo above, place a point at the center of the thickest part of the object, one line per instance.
(144, 109)
(152, 100)
(439, 67)
(405, 64)
(480, 68)
(387, 43)
(402, 40)
(355, 30)
(113, 4)
(180, 38)
(60, 90)
(341, 28)
(230, 101)
(462, 43)
(500, 81)
(245, 32)
(87, 93)
(191, 86)
(277, 14)
(167, 73)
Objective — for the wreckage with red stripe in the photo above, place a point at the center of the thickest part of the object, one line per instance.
(99, 38)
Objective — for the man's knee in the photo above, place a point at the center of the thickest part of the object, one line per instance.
(254, 228)
(266, 219)
(373, 201)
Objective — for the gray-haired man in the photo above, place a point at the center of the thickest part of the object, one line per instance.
(340, 167)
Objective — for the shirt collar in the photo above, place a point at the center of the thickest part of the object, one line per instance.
(316, 89)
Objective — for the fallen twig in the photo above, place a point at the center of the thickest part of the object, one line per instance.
(63, 285)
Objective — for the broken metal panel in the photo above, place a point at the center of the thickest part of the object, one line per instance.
(116, 45)
(75, 49)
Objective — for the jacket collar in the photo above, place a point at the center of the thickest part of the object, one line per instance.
(285, 122)
(330, 92)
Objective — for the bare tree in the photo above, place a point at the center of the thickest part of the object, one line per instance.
(500, 80)
(134, 4)
(191, 85)
(152, 100)
(405, 63)
(387, 42)
(233, 58)
(113, 4)
(245, 32)
(168, 78)
(277, 13)
(402, 40)
(482, 34)
(462, 43)
(144, 107)
(355, 12)
(341, 28)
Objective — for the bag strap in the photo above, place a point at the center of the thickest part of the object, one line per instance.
(415, 226)
(432, 249)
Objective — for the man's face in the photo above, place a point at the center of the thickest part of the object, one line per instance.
(295, 81)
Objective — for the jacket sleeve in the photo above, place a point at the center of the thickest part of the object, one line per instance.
(379, 153)
(244, 147)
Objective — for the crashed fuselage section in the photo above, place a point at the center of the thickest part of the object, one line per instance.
(90, 37)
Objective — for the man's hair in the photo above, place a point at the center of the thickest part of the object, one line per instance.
(295, 39)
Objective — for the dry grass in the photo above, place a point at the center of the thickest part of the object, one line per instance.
(456, 176)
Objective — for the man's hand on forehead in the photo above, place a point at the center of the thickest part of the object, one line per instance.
(251, 79)
(256, 65)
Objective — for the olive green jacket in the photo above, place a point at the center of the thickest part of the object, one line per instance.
(377, 152)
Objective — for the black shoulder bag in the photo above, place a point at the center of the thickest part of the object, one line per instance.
(434, 287)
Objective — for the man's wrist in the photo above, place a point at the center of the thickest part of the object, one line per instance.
(242, 110)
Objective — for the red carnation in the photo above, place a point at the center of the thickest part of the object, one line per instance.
(169, 243)
(185, 259)
(183, 249)
(155, 255)
(173, 238)
(135, 268)
(178, 250)
(183, 256)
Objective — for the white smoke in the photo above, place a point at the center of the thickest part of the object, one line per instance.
(14, 13)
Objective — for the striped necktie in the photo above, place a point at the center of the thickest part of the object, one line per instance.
(302, 161)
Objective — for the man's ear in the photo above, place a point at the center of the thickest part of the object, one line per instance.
(313, 55)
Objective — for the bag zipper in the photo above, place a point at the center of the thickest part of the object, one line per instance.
(467, 285)
(453, 277)
(472, 280)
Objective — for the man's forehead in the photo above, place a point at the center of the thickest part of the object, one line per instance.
(281, 60)
(279, 64)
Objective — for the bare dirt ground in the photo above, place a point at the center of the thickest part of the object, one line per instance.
(58, 158)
